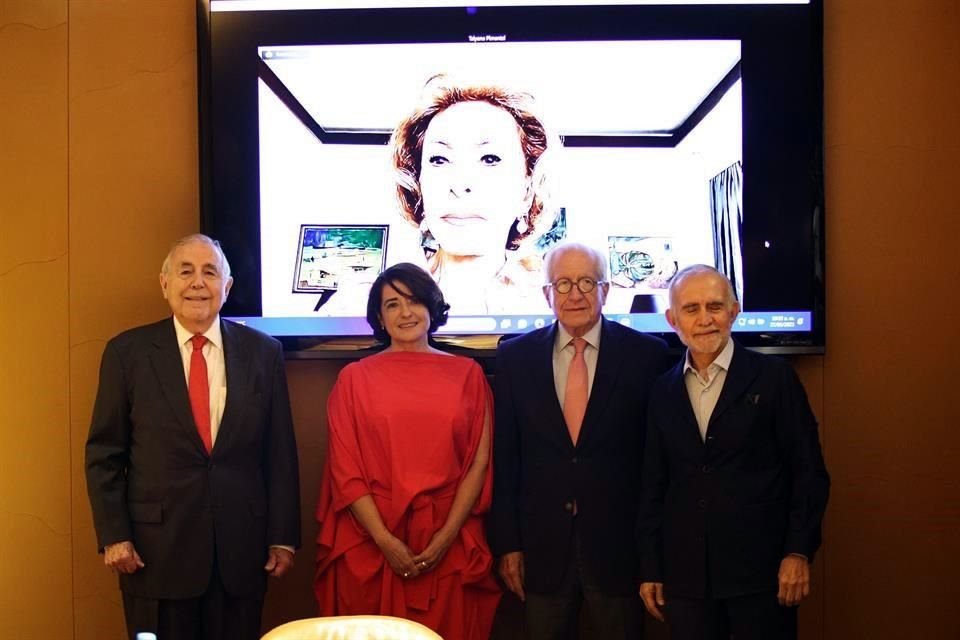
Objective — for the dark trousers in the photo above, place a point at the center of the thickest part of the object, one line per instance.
(556, 616)
(752, 617)
(213, 616)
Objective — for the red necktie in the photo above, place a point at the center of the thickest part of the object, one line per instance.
(575, 399)
(200, 391)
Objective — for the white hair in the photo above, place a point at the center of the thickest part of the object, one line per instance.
(598, 258)
(695, 270)
(205, 239)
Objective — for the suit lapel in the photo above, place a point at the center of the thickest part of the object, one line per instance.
(236, 360)
(168, 366)
(680, 397)
(542, 379)
(741, 374)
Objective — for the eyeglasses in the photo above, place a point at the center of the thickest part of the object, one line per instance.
(565, 285)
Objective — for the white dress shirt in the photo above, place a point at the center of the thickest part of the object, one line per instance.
(704, 387)
(216, 368)
(563, 352)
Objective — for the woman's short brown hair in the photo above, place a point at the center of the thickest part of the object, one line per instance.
(422, 288)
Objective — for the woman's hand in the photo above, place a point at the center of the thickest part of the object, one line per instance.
(433, 553)
(395, 552)
(398, 556)
(463, 501)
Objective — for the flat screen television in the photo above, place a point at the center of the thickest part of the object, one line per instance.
(338, 138)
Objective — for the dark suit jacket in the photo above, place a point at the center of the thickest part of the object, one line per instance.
(151, 481)
(538, 473)
(725, 512)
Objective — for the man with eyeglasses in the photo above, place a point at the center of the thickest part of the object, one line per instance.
(571, 402)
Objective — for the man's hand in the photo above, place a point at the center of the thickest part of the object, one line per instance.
(121, 557)
(511, 570)
(652, 595)
(279, 561)
(794, 579)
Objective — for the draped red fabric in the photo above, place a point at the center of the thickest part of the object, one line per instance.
(404, 429)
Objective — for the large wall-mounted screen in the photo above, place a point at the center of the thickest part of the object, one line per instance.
(470, 140)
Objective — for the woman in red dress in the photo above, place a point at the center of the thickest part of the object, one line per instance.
(408, 474)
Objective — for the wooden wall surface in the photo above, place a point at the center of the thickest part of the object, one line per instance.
(98, 172)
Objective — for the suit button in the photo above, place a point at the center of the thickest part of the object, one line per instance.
(574, 459)
(702, 503)
(568, 506)
(707, 468)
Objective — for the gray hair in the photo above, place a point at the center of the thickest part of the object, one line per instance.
(598, 258)
(697, 269)
(205, 239)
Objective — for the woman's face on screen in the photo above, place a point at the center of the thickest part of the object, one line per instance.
(473, 178)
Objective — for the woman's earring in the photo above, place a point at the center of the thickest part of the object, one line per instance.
(522, 225)
(427, 242)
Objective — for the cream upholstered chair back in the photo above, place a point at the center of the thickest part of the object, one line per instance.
(352, 628)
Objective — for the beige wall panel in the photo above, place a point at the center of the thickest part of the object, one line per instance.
(893, 531)
(114, 40)
(37, 15)
(133, 190)
(35, 580)
(97, 618)
(35, 557)
(35, 576)
(890, 71)
(133, 156)
(33, 131)
(33, 440)
(891, 405)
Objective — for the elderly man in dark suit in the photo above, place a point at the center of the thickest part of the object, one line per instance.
(734, 484)
(571, 401)
(191, 460)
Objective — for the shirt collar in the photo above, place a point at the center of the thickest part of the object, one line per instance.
(212, 334)
(722, 361)
(592, 336)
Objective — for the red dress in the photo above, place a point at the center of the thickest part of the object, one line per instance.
(404, 428)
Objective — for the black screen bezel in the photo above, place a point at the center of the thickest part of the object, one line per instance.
(782, 69)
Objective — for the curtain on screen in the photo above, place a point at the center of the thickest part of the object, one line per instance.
(726, 207)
